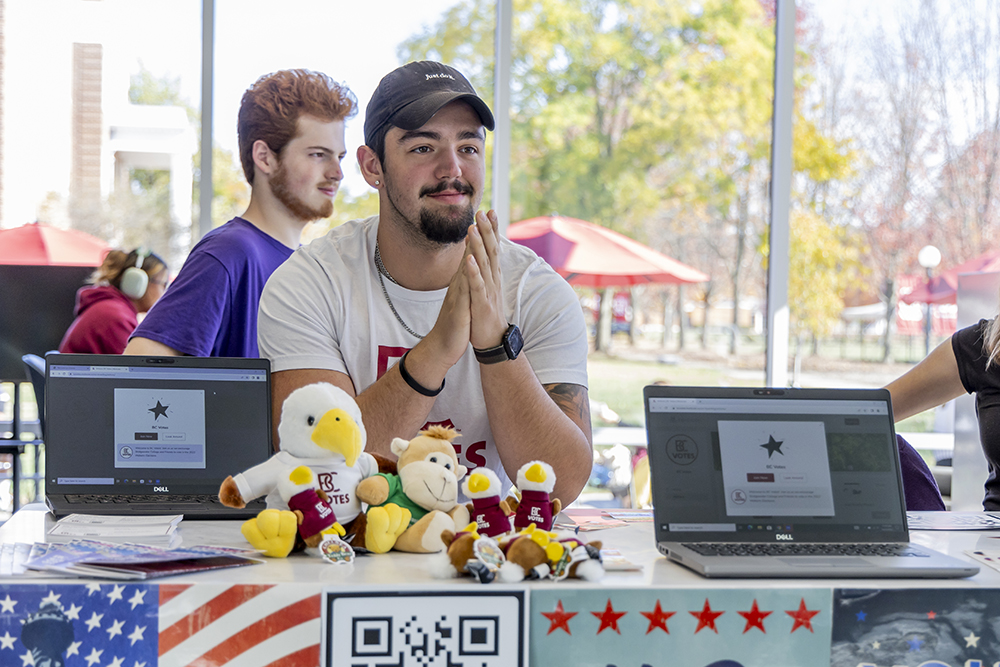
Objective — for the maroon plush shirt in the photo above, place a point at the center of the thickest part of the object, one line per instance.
(317, 515)
(490, 518)
(534, 508)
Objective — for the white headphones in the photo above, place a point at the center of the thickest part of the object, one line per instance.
(134, 280)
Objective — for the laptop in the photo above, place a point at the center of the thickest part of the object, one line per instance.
(782, 483)
(152, 435)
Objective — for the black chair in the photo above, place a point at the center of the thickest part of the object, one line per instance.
(14, 448)
(34, 369)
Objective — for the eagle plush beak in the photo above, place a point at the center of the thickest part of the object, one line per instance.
(338, 433)
(478, 482)
(535, 473)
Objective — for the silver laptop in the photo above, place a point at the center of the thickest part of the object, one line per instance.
(152, 435)
(782, 483)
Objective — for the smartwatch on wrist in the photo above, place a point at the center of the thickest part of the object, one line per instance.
(509, 347)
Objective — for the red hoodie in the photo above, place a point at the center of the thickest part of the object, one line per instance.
(105, 318)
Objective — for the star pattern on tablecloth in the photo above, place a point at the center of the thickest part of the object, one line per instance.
(137, 598)
(559, 619)
(803, 617)
(609, 618)
(753, 614)
(706, 618)
(755, 618)
(99, 635)
(657, 618)
(73, 613)
(115, 594)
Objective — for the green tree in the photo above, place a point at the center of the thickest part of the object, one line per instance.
(825, 262)
(147, 88)
(651, 117)
(587, 100)
(230, 190)
(346, 207)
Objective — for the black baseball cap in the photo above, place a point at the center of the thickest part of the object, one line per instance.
(409, 96)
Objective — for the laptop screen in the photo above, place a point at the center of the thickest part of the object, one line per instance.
(742, 464)
(143, 425)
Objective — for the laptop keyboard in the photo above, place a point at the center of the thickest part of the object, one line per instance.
(89, 499)
(811, 549)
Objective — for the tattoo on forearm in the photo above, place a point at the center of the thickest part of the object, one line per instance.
(571, 399)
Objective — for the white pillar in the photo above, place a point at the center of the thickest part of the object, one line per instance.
(776, 371)
(501, 112)
(205, 186)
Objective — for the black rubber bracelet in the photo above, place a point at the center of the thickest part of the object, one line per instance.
(414, 385)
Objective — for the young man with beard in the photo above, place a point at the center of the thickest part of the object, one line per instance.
(424, 312)
(291, 137)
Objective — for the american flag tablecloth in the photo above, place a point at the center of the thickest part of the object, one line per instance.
(141, 625)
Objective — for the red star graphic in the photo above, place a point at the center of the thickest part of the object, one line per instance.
(706, 618)
(559, 619)
(802, 616)
(755, 618)
(657, 618)
(609, 618)
(931, 615)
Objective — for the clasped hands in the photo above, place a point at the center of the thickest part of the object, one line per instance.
(473, 309)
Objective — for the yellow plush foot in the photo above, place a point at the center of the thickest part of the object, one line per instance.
(335, 529)
(385, 525)
(272, 532)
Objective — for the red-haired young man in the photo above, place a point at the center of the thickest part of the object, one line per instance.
(291, 137)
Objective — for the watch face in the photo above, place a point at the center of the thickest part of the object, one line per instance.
(513, 342)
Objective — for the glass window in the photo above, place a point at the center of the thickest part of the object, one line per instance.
(99, 118)
(354, 43)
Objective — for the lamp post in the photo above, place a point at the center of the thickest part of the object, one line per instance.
(928, 257)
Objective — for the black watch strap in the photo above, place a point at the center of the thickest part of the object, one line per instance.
(491, 355)
(509, 347)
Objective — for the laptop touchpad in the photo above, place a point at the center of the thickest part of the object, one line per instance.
(822, 561)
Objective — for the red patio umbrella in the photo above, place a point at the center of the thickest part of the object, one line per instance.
(37, 243)
(588, 255)
(943, 288)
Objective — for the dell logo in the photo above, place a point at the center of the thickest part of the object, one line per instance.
(160, 489)
(782, 537)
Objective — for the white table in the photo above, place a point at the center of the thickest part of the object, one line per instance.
(282, 606)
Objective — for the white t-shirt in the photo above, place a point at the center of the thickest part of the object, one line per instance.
(333, 474)
(324, 308)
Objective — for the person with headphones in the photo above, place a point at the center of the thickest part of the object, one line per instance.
(107, 310)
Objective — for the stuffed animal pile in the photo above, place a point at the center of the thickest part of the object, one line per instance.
(530, 554)
(316, 484)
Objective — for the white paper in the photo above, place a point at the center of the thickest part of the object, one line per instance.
(130, 520)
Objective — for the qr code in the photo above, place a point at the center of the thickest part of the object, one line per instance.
(424, 629)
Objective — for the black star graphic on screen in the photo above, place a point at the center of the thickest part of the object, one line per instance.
(773, 446)
(160, 409)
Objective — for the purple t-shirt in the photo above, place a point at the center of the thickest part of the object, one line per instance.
(210, 309)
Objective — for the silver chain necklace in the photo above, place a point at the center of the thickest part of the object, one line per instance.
(383, 271)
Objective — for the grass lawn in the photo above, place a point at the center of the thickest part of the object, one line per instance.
(619, 382)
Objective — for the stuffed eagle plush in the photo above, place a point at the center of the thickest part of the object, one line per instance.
(321, 429)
